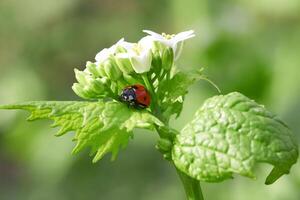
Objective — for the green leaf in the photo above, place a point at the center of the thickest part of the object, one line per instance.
(172, 91)
(102, 126)
(230, 134)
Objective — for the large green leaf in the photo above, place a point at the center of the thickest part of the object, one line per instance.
(230, 134)
(103, 126)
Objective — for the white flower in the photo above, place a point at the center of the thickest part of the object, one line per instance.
(173, 41)
(147, 42)
(103, 55)
(141, 61)
(140, 56)
(107, 52)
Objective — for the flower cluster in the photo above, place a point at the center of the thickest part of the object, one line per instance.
(122, 63)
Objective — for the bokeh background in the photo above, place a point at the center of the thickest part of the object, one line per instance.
(247, 46)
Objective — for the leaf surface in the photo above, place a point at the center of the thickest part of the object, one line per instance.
(102, 126)
(230, 134)
(174, 90)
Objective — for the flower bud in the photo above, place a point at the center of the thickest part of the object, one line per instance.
(129, 79)
(120, 49)
(112, 70)
(124, 63)
(100, 69)
(91, 67)
(156, 61)
(141, 61)
(92, 92)
(78, 89)
(104, 80)
(88, 86)
(167, 58)
(96, 86)
(81, 76)
(157, 46)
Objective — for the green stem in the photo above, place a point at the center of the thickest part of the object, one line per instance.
(147, 83)
(191, 186)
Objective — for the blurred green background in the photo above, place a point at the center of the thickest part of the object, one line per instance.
(247, 46)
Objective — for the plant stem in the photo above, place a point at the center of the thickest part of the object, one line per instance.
(191, 186)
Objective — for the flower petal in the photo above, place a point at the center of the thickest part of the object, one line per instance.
(124, 44)
(141, 63)
(146, 42)
(103, 55)
(122, 55)
(183, 36)
(155, 35)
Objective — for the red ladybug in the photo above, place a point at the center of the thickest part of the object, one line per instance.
(136, 95)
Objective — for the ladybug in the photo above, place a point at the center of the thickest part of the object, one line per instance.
(136, 96)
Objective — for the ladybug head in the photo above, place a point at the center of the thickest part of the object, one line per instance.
(128, 95)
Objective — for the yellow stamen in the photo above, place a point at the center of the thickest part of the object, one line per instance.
(167, 36)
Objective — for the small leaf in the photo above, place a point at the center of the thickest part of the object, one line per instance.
(172, 91)
(103, 126)
(230, 134)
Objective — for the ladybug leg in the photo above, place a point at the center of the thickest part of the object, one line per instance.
(139, 106)
(142, 106)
